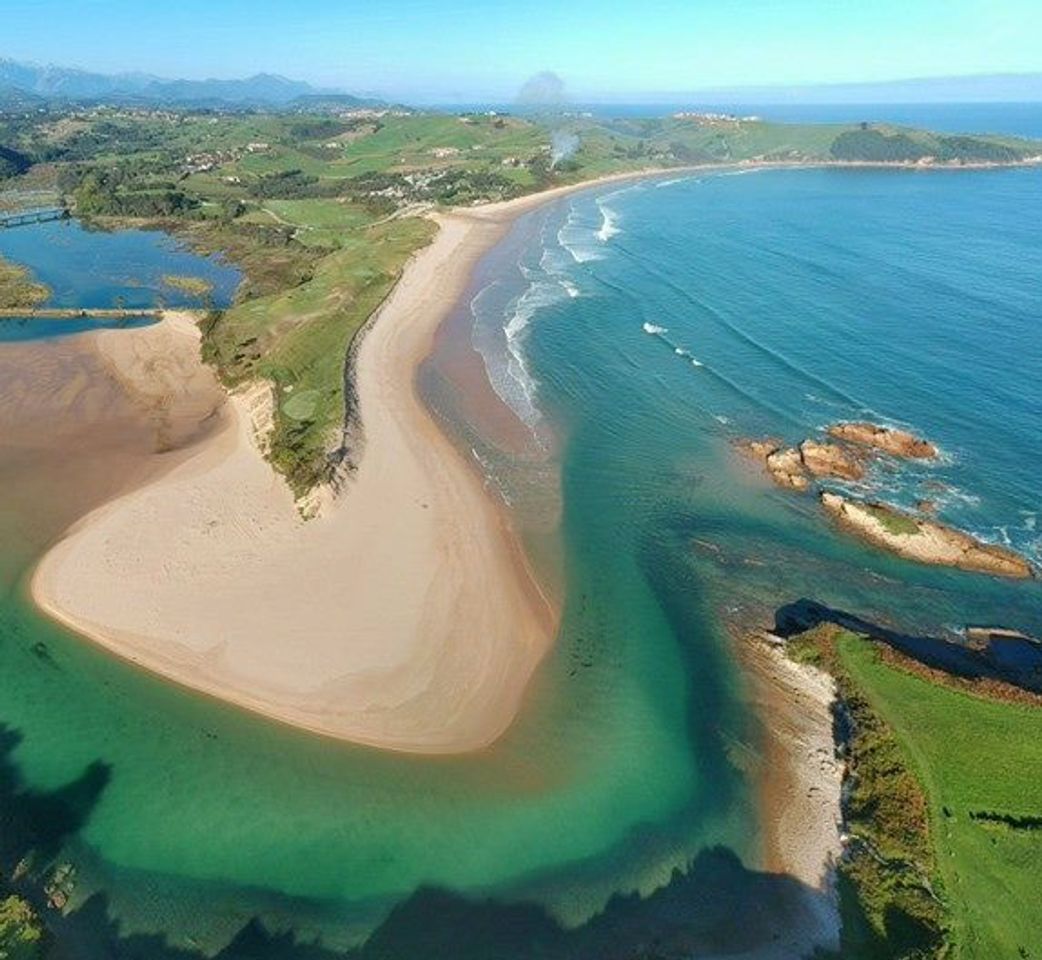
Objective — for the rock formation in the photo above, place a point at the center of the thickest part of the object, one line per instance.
(796, 467)
(786, 467)
(831, 460)
(926, 541)
(897, 443)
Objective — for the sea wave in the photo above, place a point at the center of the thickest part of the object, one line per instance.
(609, 221)
(673, 181)
(520, 392)
(579, 238)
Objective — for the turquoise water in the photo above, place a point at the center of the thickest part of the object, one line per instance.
(778, 302)
(794, 298)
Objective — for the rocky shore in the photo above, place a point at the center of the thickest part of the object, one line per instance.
(847, 456)
(896, 443)
(926, 541)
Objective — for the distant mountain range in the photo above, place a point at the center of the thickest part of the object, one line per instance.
(27, 85)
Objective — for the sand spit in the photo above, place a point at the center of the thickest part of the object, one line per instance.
(403, 615)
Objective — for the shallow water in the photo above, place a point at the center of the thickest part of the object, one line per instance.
(804, 297)
(92, 268)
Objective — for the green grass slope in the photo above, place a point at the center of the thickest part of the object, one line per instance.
(298, 339)
(944, 809)
(980, 763)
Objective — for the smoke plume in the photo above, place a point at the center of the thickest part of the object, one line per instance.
(562, 146)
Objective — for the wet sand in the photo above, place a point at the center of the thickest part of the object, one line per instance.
(800, 779)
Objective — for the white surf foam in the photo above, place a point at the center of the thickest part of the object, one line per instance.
(578, 238)
(675, 180)
(609, 222)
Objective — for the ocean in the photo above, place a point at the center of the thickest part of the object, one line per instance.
(630, 335)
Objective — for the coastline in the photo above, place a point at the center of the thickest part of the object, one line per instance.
(375, 655)
(383, 664)
(209, 576)
(800, 778)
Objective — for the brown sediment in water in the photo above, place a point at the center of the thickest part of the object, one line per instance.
(404, 616)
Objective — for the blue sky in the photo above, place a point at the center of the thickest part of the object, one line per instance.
(473, 49)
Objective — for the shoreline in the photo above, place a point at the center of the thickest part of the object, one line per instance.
(404, 704)
(385, 662)
(799, 778)
(153, 600)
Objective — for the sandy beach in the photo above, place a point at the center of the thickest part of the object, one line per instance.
(800, 779)
(402, 616)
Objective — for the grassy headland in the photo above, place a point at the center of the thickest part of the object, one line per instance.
(319, 209)
(298, 339)
(944, 809)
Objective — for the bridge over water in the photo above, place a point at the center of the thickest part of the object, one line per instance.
(75, 313)
(24, 217)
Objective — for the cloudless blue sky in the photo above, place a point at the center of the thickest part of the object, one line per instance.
(472, 49)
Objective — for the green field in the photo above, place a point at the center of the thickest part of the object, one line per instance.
(947, 789)
(974, 757)
(298, 339)
(305, 205)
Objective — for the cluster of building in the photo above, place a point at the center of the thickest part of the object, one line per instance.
(212, 159)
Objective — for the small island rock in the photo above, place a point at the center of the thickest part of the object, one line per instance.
(786, 467)
(926, 541)
(897, 443)
(831, 460)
